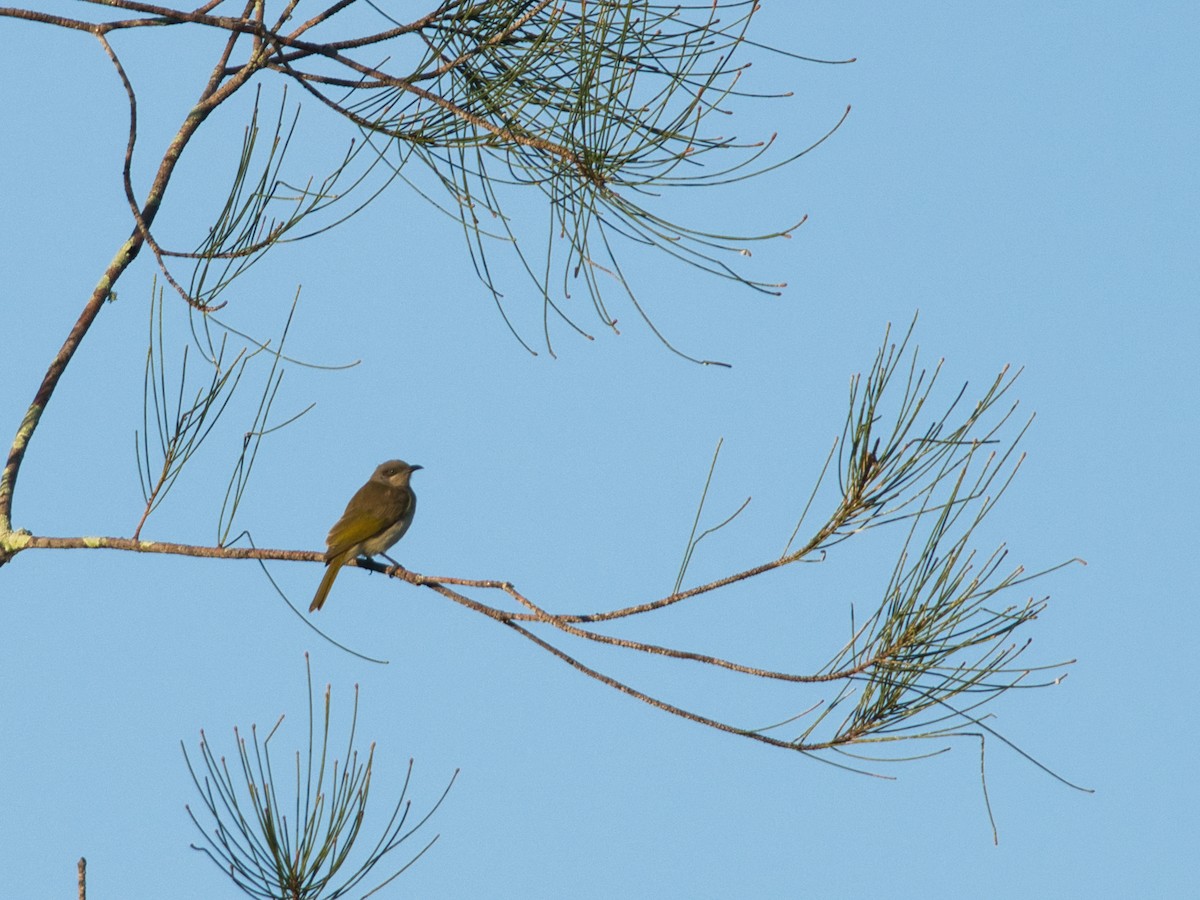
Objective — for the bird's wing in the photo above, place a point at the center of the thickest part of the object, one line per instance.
(386, 508)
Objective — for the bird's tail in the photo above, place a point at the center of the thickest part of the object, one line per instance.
(326, 583)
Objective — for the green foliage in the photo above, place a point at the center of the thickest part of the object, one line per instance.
(307, 856)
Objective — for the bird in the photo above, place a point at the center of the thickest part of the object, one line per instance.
(375, 518)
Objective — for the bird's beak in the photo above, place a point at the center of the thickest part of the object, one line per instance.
(414, 468)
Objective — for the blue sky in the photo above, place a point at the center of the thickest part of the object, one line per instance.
(1022, 174)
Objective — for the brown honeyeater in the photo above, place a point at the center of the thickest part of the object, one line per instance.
(375, 518)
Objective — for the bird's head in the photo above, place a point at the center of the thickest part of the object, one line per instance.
(395, 472)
